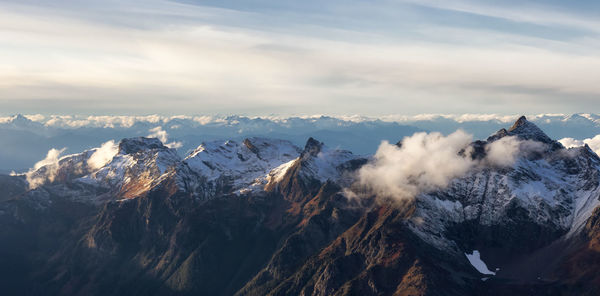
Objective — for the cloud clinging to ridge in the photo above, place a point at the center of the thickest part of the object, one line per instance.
(425, 162)
(50, 164)
(103, 155)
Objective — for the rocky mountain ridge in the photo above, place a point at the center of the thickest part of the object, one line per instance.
(264, 217)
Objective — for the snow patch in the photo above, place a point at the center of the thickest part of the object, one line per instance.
(476, 261)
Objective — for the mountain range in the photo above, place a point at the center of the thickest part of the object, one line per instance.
(433, 214)
(27, 138)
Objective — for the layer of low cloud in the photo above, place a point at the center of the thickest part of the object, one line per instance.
(425, 162)
(128, 121)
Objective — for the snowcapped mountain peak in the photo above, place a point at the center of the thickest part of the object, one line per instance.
(522, 121)
(556, 190)
(525, 130)
(66, 168)
(137, 166)
(134, 145)
(240, 165)
(266, 149)
(323, 163)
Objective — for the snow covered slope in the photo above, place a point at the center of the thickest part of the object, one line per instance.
(283, 215)
(136, 167)
(554, 190)
(240, 165)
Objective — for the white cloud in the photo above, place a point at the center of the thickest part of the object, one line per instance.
(163, 136)
(103, 155)
(460, 118)
(594, 143)
(35, 117)
(52, 157)
(49, 165)
(423, 162)
(174, 145)
(571, 142)
(159, 133)
(103, 121)
(534, 14)
(294, 69)
(203, 120)
(503, 151)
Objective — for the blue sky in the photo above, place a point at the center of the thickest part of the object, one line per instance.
(261, 57)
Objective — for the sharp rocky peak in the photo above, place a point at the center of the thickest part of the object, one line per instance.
(323, 163)
(134, 145)
(524, 130)
(522, 121)
(312, 148)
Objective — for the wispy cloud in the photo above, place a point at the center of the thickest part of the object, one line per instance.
(525, 11)
(162, 56)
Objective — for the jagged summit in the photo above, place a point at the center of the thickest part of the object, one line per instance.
(525, 130)
(312, 147)
(134, 145)
(323, 163)
(520, 122)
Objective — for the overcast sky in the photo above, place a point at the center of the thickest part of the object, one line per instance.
(259, 57)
